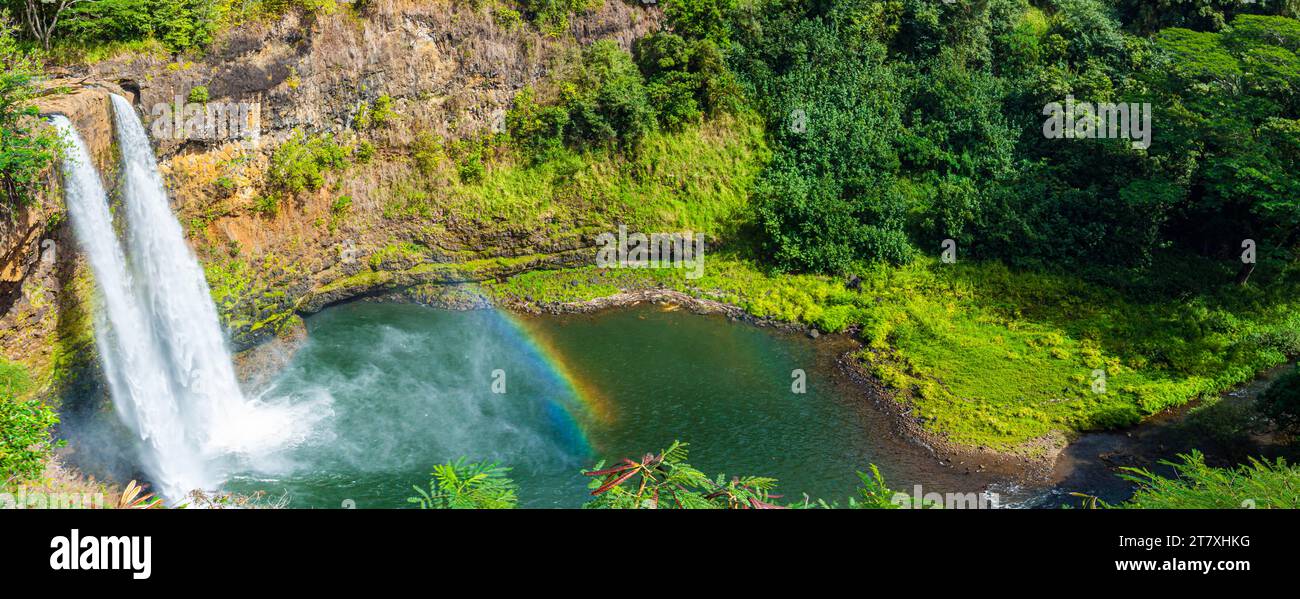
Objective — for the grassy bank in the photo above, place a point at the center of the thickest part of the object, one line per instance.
(697, 178)
(990, 356)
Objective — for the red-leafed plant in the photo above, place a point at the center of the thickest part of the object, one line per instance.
(665, 480)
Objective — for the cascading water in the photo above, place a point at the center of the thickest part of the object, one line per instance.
(164, 353)
(133, 365)
(176, 295)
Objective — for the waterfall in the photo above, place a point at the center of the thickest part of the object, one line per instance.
(134, 366)
(164, 353)
(173, 290)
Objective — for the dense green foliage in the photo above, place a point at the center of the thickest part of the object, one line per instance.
(376, 115)
(1150, 15)
(1281, 402)
(896, 125)
(1257, 485)
(178, 25)
(26, 149)
(665, 481)
(822, 138)
(461, 485)
(300, 163)
(608, 99)
(24, 427)
(697, 178)
(685, 79)
(552, 16)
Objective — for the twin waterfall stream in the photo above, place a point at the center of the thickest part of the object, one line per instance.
(161, 345)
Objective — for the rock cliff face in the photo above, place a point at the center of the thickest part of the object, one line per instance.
(21, 237)
(449, 67)
(450, 72)
(44, 287)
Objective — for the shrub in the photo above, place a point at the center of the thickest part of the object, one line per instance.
(458, 485)
(25, 425)
(665, 481)
(198, 95)
(300, 163)
(1281, 402)
(341, 205)
(607, 101)
(374, 115)
(179, 24)
(535, 129)
(471, 156)
(363, 152)
(1258, 484)
(397, 256)
(267, 205)
(427, 152)
(552, 16)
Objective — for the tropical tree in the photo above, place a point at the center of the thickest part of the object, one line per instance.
(41, 18)
(1229, 108)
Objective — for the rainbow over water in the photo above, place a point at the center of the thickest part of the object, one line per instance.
(591, 405)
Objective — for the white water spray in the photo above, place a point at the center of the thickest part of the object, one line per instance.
(164, 354)
(133, 365)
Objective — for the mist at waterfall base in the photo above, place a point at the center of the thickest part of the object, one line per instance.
(412, 387)
(163, 353)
